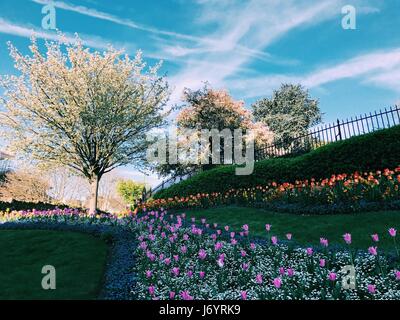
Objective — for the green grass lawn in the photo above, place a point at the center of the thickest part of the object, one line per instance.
(79, 260)
(307, 229)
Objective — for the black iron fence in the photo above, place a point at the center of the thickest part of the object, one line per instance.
(316, 137)
(336, 131)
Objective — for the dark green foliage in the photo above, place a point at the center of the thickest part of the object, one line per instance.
(373, 151)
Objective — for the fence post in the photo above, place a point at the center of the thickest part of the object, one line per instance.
(339, 132)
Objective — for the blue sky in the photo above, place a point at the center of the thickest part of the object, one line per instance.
(247, 47)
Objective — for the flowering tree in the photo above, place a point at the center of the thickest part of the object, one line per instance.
(86, 110)
(207, 108)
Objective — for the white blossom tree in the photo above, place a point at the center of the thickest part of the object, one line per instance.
(86, 110)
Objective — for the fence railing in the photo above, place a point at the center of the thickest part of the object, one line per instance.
(336, 131)
(167, 183)
(316, 137)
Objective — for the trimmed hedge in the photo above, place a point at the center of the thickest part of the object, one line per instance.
(373, 151)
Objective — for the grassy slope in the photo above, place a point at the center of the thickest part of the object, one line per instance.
(307, 229)
(79, 260)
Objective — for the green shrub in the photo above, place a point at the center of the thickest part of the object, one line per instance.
(373, 151)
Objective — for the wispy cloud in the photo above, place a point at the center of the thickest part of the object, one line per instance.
(256, 23)
(29, 31)
(175, 49)
(380, 68)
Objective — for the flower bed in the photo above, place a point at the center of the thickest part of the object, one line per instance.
(180, 259)
(208, 262)
(339, 193)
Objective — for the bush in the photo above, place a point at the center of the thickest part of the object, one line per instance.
(377, 150)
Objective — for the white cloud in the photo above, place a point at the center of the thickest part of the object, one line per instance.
(381, 68)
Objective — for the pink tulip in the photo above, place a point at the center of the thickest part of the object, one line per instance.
(373, 250)
(259, 279)
(226, 228)
(202, 274)
(397, 274)
(243, 294)
(243, 253)
(277, 282)
(392, 232)
(322, 263)
(289, 236)
(371, 288)
(268, 227)
(332, 276)
(324, 242)
(151, 290)
(375, 237)
(186, 296)
(274, 240)
(245, 227)
(171, 295)
(232, 234)
(218, 246)
(175, 271)
(309, 251)
(202, 254)
(347, 238)
(252, 246)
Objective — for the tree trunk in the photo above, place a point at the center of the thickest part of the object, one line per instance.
(94, 191)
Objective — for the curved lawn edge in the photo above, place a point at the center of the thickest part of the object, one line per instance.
(119, 278)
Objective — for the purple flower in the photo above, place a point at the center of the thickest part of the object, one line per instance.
(259, 279)
(371, 288)
(167, 261)
(268, 227)
(226, 228)
(397, 274)
(324, 242)
(245, 227)
(151, 290)
(183, 249)
(274, 240)
(245, 266)
(373, 250)
(233, 241)
(332, 276)
(290, 272)
(218, 246)
(203, 221)
(202, 274)
(252, 246)
(375, 237)
(171, 295)
(392, 232)
(243, 253)
(175, 271)
(243, 294)
(282, 271)
(347, 238)
(309, 251)
(186, 296)
(277, 282)
(202, 254)
(322, 263)
(148, 273)
(189, 273)
(176, 257)
(143, 245)
(232, 234)
(289, 236)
